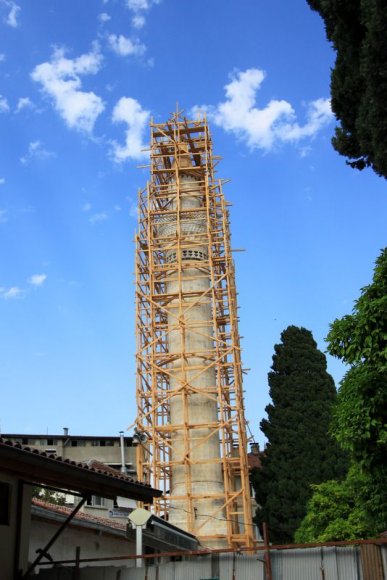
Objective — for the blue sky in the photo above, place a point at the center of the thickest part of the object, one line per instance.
(79, 82)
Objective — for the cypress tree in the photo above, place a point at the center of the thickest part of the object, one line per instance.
(300, 450)
(357, 30)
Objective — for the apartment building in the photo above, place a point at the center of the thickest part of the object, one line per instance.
(117, 452)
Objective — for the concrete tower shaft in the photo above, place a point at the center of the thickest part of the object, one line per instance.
(193, 336)
(189, 388)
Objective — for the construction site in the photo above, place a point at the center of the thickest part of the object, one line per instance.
(189, 368)
(193, 290)
(194, 515)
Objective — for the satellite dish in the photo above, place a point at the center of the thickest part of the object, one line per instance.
(139, 517)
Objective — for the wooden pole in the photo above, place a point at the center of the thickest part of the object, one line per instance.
(267, 552)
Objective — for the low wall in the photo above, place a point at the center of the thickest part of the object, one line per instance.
(325, 563)
(92, 543)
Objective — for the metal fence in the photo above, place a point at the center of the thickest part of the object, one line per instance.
(320, 563)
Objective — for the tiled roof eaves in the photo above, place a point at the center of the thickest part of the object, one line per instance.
(56, 462)
(47, 510)
(83, 465)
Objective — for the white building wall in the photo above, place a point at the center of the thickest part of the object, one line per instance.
(93, 544)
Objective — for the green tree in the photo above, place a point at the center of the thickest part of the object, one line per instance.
(337, 510)
(357, 30)
(48, 495)
(360, 339)
(300, 451)
(359, 422)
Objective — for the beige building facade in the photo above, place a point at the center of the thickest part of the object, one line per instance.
(105, 449)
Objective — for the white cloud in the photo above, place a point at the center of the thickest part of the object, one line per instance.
(13, 292)
(129, 111)
(2, 57)
(36, 151)
(264, 128)
(37, 279)
(24, 103)
(60, 79)
(104, 17)
(2, 180)
(318, 114)
(12, 16)
(125, 46)
(138, 21)
(138, 4)
(98, 217)
(3, 216)
(86, 206)
(4, 107)
(139, 8)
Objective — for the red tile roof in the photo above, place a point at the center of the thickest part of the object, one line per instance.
(253, 461)
(99, 466)
(116, 524)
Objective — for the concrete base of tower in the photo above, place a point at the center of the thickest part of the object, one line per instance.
(201, 517)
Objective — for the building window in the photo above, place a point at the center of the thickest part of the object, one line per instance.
(77, 443)
(52, 442)
(5, 496)
(103, 443)
(96, 501)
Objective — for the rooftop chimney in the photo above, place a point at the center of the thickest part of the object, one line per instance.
(65, 431)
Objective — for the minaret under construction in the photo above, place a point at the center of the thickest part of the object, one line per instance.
(189, 375)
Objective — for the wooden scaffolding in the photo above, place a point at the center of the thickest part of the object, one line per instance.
(178, 148)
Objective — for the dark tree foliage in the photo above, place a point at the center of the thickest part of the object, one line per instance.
(357, 30)
(300, 451)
